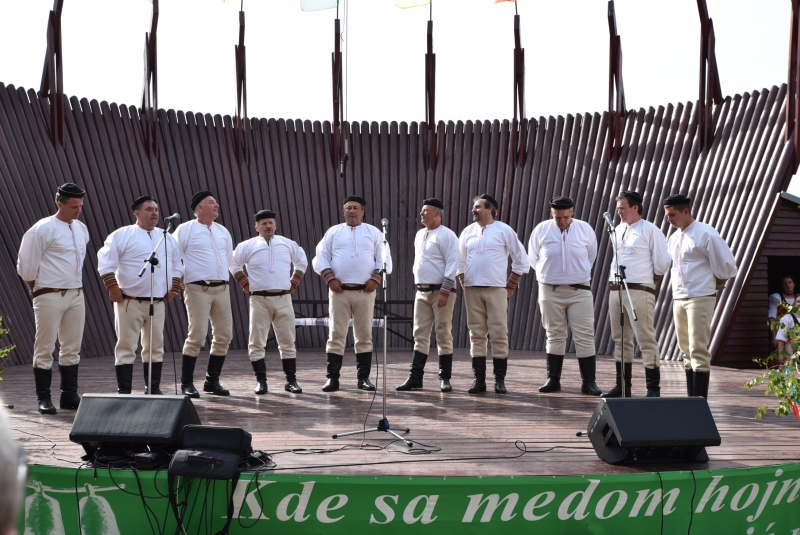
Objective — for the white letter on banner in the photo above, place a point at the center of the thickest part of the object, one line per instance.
(709, 493)
(655, 498)
(325, 507)
(738, 496)
(600, 510)
(580, 511)
(385, 508)
(765, 499)
(302, 501)
(252, 503)
(785, 488)
(492, 502)
(533, 503)
(425, 517)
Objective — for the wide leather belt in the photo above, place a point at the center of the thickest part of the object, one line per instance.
(635, 286)
(42, 291)
(573, 286)
(210, 284)
(353, 287)
(428, 287)
(143, 299)
(265, 293)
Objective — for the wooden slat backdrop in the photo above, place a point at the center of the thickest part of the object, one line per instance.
(735, 185)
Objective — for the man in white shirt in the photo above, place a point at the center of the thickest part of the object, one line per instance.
(274, 268)
(436, 256)
(643, 259)
(50, 262)
(119, 261)
(206, 248)
(350, 258)
(485, 247)
(562, 251)
(701, 265)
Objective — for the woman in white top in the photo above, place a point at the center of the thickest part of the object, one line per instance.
(786, 296)
(784, 342)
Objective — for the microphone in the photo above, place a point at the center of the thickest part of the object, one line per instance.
(385, 223)
(174, 217)
(607, 217)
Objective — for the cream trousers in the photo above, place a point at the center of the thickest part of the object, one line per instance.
(566, 306)
(692, 318)
(131, 319)
(359, 305)
(487, 316)
(427, 315)
(645, 304)
(276, 311)
(58, 316)
(205, 303)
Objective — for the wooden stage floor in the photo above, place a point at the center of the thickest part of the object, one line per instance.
(454, 434)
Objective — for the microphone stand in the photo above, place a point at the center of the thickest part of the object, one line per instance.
(621, 282)
(383, 423)
(153, 261)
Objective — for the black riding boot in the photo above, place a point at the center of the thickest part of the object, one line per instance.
(124, 378)
(417, 371)
(69, 387)
(554, 365)
(616, 392)
(212, 386)
(156, 378)
(701, 383)
(689, 382)
(334, 367)
(500, 366)
(479, 372)
(187, 377)
(290, 370)
(363, 366)
(445, 372)
(652, 378)
(588, 367)
(42, 378)
(260, 369)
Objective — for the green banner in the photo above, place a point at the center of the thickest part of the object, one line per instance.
(746, 501)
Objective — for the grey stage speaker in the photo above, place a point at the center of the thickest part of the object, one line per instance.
(133, 422)
(633, 430)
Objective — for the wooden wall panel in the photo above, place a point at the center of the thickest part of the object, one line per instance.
(735, 184)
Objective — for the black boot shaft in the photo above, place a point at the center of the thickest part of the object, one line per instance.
(700, 384)
(69, 387)
(363, 366)
(689, 382)
(124, 378)
(445, 372)
(588, 368)
(416, 373)
(334, 362)
(42, 378)
(188, 364)
(499, 368)
(554, 365)
(156, 390)
(290, 371)
(616, 392)
(260, 369)
(479, 372)
(212, 385)
(652, 379)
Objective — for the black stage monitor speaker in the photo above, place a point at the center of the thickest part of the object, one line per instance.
(635, 430)
(132, 421)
